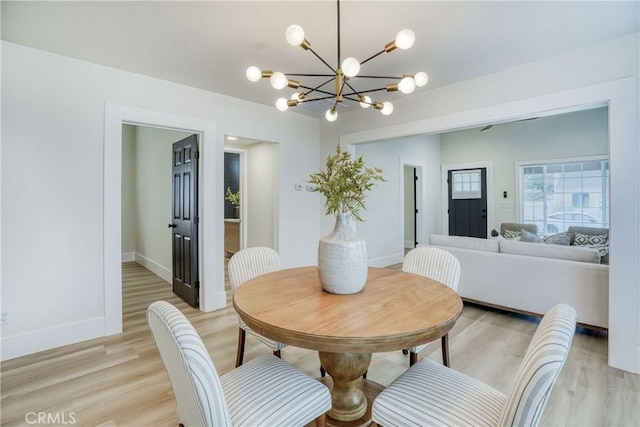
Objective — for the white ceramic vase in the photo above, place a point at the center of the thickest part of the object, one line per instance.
(342, 259)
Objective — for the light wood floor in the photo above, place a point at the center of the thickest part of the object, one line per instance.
(120, 380)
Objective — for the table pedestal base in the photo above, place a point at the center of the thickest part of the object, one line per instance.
(371, 389)
(350, 405)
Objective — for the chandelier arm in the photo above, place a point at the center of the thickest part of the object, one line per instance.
(373, 56)
(309, 75)
(377, 77)
(317, 90)
(317, 99)
(347, 97)
(320, 58)
(314, 89)
(351, 87)
(365, 91)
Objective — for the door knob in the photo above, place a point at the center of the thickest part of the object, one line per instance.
(172, 226)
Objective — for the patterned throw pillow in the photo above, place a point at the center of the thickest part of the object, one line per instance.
(558, 239)
(590, 239)
(525, 236)
(510, 234)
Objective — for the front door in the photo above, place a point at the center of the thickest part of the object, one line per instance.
(468, 202)
(184, 223)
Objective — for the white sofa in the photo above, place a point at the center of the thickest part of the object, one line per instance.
(531, 277)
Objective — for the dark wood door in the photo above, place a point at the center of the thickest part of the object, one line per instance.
(184, 223)
(468, 202)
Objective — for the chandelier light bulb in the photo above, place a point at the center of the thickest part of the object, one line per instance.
(278, 80)
(421, 78)
(365, 102)
(281, 104)
(294, 35)
(407, 85)
(387, 108)
(254, 74)
(331, 115)
(405, 39)
(295, 96)
(350, 67)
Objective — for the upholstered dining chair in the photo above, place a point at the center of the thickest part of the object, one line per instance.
(431, 394)
(243, 266)
(436, 264)
(263, 392)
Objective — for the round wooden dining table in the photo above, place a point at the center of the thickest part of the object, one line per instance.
(394, 311)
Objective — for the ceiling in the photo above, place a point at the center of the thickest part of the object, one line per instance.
(210, 44)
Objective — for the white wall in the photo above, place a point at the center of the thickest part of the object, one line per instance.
(606, 73)
(153, 155)
(583, 133)
(383, 225)
(262, 169)
(54, 115)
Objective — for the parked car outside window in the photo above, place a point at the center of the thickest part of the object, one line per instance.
(560, 221)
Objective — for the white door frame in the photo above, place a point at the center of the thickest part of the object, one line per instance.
(419, 166)
(445, 191)
(212, 293)
(244, 188)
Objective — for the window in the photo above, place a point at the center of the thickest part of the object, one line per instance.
(467, 184)
(556, 195)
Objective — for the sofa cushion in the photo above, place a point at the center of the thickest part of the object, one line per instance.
(580, 239)
(511, 234)
(589, 231)
(525, 236)
(586, 230)
(558, 239)
(571, 253)
(475, 243)
(516, 226)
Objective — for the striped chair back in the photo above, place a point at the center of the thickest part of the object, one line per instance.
(540, 367)
(434, 263)
(248, 263)
(194, 379)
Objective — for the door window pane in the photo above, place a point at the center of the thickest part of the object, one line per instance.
(467, 184)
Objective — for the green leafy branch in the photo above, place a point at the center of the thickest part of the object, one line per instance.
(344, 183)
(234, 198)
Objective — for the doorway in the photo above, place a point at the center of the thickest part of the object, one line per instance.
(411, 203)
(446, 170)
(410, 207)
(149, 193)
(467, 202)
(212, 292)
(251, 168)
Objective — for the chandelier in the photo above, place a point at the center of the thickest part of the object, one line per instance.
(341, 76)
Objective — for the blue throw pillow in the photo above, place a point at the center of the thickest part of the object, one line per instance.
(525, 236)
(558, 239)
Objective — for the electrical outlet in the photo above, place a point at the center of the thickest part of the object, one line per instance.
(4, 318)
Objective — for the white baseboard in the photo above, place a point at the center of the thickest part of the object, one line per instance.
(128, 256)
(386, 261)
(155, 268)
(44, 339)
